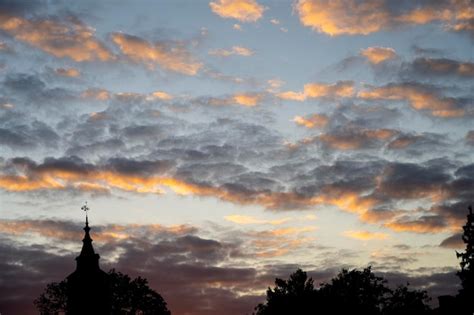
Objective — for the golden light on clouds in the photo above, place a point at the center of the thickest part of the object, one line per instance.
(418, 97)
(244, 219)
(376, 55)
(61, 38)
(170, 56)
(339, 17)
(365, 235)
(320, 90)
(68, 72)
(353, 139)
(160, 95)
(312, 121)
(242, 10)
(247, 99)
(416, 227)
(351, 17)
(235, 50)
(97, 94)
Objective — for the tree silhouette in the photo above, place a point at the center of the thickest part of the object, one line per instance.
(404, 301)
(128, 297)
(350, 292)
(466, 294)
(355, 291)
(53, 300)
(295, 296)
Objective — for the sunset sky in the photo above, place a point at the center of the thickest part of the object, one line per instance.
(223, 143)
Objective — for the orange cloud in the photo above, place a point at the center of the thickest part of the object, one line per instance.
(160, 95)
(338, 17)
(365, 235)
(376, 55)
(247, 99)
(64, 231)
(69, 38)
(352, 17)
(173, 57)
(416, 227)
(60, 179)
(292, 230)
(242, 10)
(68, 72)
(97, 94)
(235, 50)
(319, 90)
(312, 121)
(353, 138)
(244, 219)
(418, 97)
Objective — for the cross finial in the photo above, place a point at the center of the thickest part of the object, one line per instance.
(85, 208)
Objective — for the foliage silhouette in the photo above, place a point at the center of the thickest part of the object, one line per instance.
(128, 297)
(466, 274)
(350, 292)
(295, 296)
(356, 291)
(53, 300)
(404, 301)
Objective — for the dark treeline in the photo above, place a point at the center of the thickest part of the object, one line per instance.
(128, 296)
(361, 292)
(350, 292)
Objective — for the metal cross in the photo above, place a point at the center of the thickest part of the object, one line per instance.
(85, 207)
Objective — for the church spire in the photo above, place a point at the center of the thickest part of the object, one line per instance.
(87, 258)
(88, 286)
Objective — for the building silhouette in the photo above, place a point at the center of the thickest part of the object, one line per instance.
(88, 287)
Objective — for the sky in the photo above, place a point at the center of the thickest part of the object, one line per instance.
(223, 143)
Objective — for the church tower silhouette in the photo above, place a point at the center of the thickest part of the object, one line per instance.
(88, 287)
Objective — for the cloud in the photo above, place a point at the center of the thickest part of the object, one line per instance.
(454, 241)
(429, 67)
(274, 85)
(67, 72)
(424, 224)
(242, 10)
(160, 95)
(168, 55)
(96, 94)
(351, 138)
(420, 97)
(235, 50)
(67, 37)
(248, 99)
(365, 235)
(244, 219)
(320, 90)
(312, 121)
(237, 27)
(413, 181)
(342, 17)
(376, 55)
(351, 17)
(470, 137)
(5, 48)
(28, 136)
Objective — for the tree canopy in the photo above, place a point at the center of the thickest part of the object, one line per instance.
(350, 292)
(466, 274)
(128, 297)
